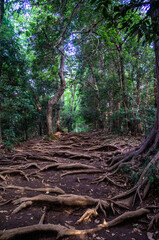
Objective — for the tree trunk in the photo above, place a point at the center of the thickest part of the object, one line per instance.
(40, 128)
(0, 127)
(100, 123)
(0, 105)
(151, 143)
(69, 125)
(155, 90)
(1, 18)
(26, 129)
(55, 99)
(138, 100)
(155, 19)
(1, 11)
(58, 123)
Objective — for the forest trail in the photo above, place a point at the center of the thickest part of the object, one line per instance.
(62, 189)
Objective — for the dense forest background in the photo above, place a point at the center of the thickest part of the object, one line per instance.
(76, 65)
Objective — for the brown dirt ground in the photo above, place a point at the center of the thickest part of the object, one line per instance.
(69, 148)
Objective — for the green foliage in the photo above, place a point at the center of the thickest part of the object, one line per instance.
(52, 137)
(109, 73)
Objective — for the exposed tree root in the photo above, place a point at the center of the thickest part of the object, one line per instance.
(143, 182)
(26, 166)
(70, 231)
(46, 190)
(67, 166)
(29, 165)
(6, 202)
(142, 187)
(106, 177)
(128, 215)
(41, 158)
(124, 203)
(154, 221)
(43, 216)
(66, 200)
(87, 171)
(120, 159)
(106, 148)
(2, 177)
(13, 171)
(134, 190)
(86, 217)
(150, 143)
(61, 147)
(53, 165)
(74, 166)
(32, 156)
(43, 152)
(75, 155)
(23, 205)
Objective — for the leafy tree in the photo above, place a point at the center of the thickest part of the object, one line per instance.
(16, 104)
(48, 35)
(119, 13)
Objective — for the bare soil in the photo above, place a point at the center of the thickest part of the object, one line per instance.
(71, 166)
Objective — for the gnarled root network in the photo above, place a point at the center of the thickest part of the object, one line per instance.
(63, 231)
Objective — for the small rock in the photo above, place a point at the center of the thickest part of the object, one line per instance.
(150, 236)
(97, 221)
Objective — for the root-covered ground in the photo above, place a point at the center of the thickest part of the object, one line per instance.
(64, 189)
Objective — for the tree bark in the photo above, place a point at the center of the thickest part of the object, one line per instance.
(99, 122)
(1, 11)
(155, 20)
(0, 105)
(1, 18)
(55, 99)
(138, 100)
(0, 127)
(58, 122)
(152, 140)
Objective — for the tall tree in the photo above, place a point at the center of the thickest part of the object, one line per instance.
(121, 16)
(1, 18)
(57, 96)
(1, 11)
(51, 33)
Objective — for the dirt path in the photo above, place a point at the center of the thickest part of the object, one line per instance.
(59, 187)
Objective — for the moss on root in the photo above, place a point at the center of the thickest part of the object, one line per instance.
(52, 136)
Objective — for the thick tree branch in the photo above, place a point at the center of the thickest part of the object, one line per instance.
(69, 21)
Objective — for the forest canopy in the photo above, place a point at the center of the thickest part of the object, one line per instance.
(92, 60)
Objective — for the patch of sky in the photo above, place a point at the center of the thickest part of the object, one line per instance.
(71, 49)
